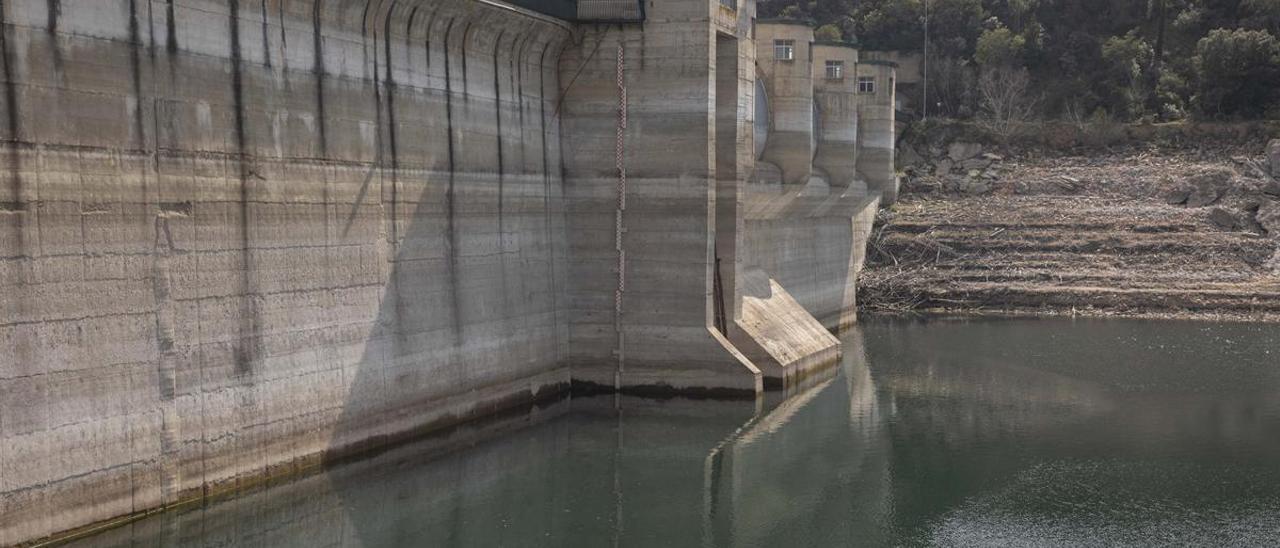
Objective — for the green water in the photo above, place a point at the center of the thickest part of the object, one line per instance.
(952, 433)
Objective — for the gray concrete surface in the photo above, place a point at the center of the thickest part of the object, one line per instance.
(837, 104)
(877, 134)
(789, 83)
(239, 238)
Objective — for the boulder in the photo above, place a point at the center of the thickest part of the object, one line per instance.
(1177, 196)
(1269, 218)
(943, 167)
(1272, 188)
(959, 152)
(975, 163)
(1273, 156)
(1223, 218)
(908, 157)
(1203, 196)
(1208, 187)
(953, 183)
(976, 187)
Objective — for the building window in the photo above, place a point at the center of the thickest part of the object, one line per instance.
(731, 4)
(867, 85)
(784, 50)
(835, 70)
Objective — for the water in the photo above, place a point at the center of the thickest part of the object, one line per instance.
(953, 433)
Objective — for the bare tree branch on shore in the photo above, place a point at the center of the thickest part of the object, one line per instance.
(1006, 99)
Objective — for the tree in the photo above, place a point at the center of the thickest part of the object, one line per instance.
(1006, 99)
(951, 86)
(1238, 72)
(1262, 14)
(1132, 58)
(1122, 82)
(999, 46)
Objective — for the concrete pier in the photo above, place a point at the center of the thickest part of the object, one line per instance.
(240, 238)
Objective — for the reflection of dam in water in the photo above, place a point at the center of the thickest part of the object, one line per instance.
(927, 435)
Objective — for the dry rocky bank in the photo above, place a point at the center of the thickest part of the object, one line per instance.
(1190, 231)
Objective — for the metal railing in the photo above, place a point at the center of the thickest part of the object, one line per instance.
(590, 11)
(611, 10)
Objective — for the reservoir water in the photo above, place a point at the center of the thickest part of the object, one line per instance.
(1028, 432)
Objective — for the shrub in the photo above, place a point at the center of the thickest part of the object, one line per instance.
(1238, 73)
(828, 33)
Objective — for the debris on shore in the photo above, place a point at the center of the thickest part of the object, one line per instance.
(1186, 234)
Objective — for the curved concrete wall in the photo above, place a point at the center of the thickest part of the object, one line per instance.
(837, 102)
(790, 87)
(876, 139)
(238, 235)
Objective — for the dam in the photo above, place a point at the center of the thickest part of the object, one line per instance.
(241, 238)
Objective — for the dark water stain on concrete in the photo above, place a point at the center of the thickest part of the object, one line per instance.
(318, 72)
(135, 74)
(151, 35)
(13, 116)
(497, 114)
(54, 9)
(517, 74)
(248, 350)
(451, 236)
(408, 36)
(266, 40)
(284, 38)
(389, 90)
(466, 35)
(171, 28)
(546, 177)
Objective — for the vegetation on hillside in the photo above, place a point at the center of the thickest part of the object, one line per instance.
(1113, 60)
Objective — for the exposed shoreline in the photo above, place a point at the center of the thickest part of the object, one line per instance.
(1170, 234)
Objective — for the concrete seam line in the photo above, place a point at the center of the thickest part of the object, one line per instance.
(527, 13)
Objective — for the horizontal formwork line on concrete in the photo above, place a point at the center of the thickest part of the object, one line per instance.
(354, 40)
(469, 204)
(508, 103)
(86, 317)
(70, 477)
(183, 252)
(143, 157)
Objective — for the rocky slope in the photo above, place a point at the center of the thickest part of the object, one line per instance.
(1170, 234)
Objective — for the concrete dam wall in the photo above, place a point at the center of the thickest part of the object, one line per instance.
(241, 237)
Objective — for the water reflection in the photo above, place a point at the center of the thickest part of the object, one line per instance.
(1027, 432)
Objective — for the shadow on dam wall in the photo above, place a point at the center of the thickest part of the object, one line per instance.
(467, 323)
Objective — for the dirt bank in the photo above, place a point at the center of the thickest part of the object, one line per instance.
(1174, 233)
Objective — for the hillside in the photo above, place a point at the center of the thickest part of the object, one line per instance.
(1085, 59)
(1187, 233)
